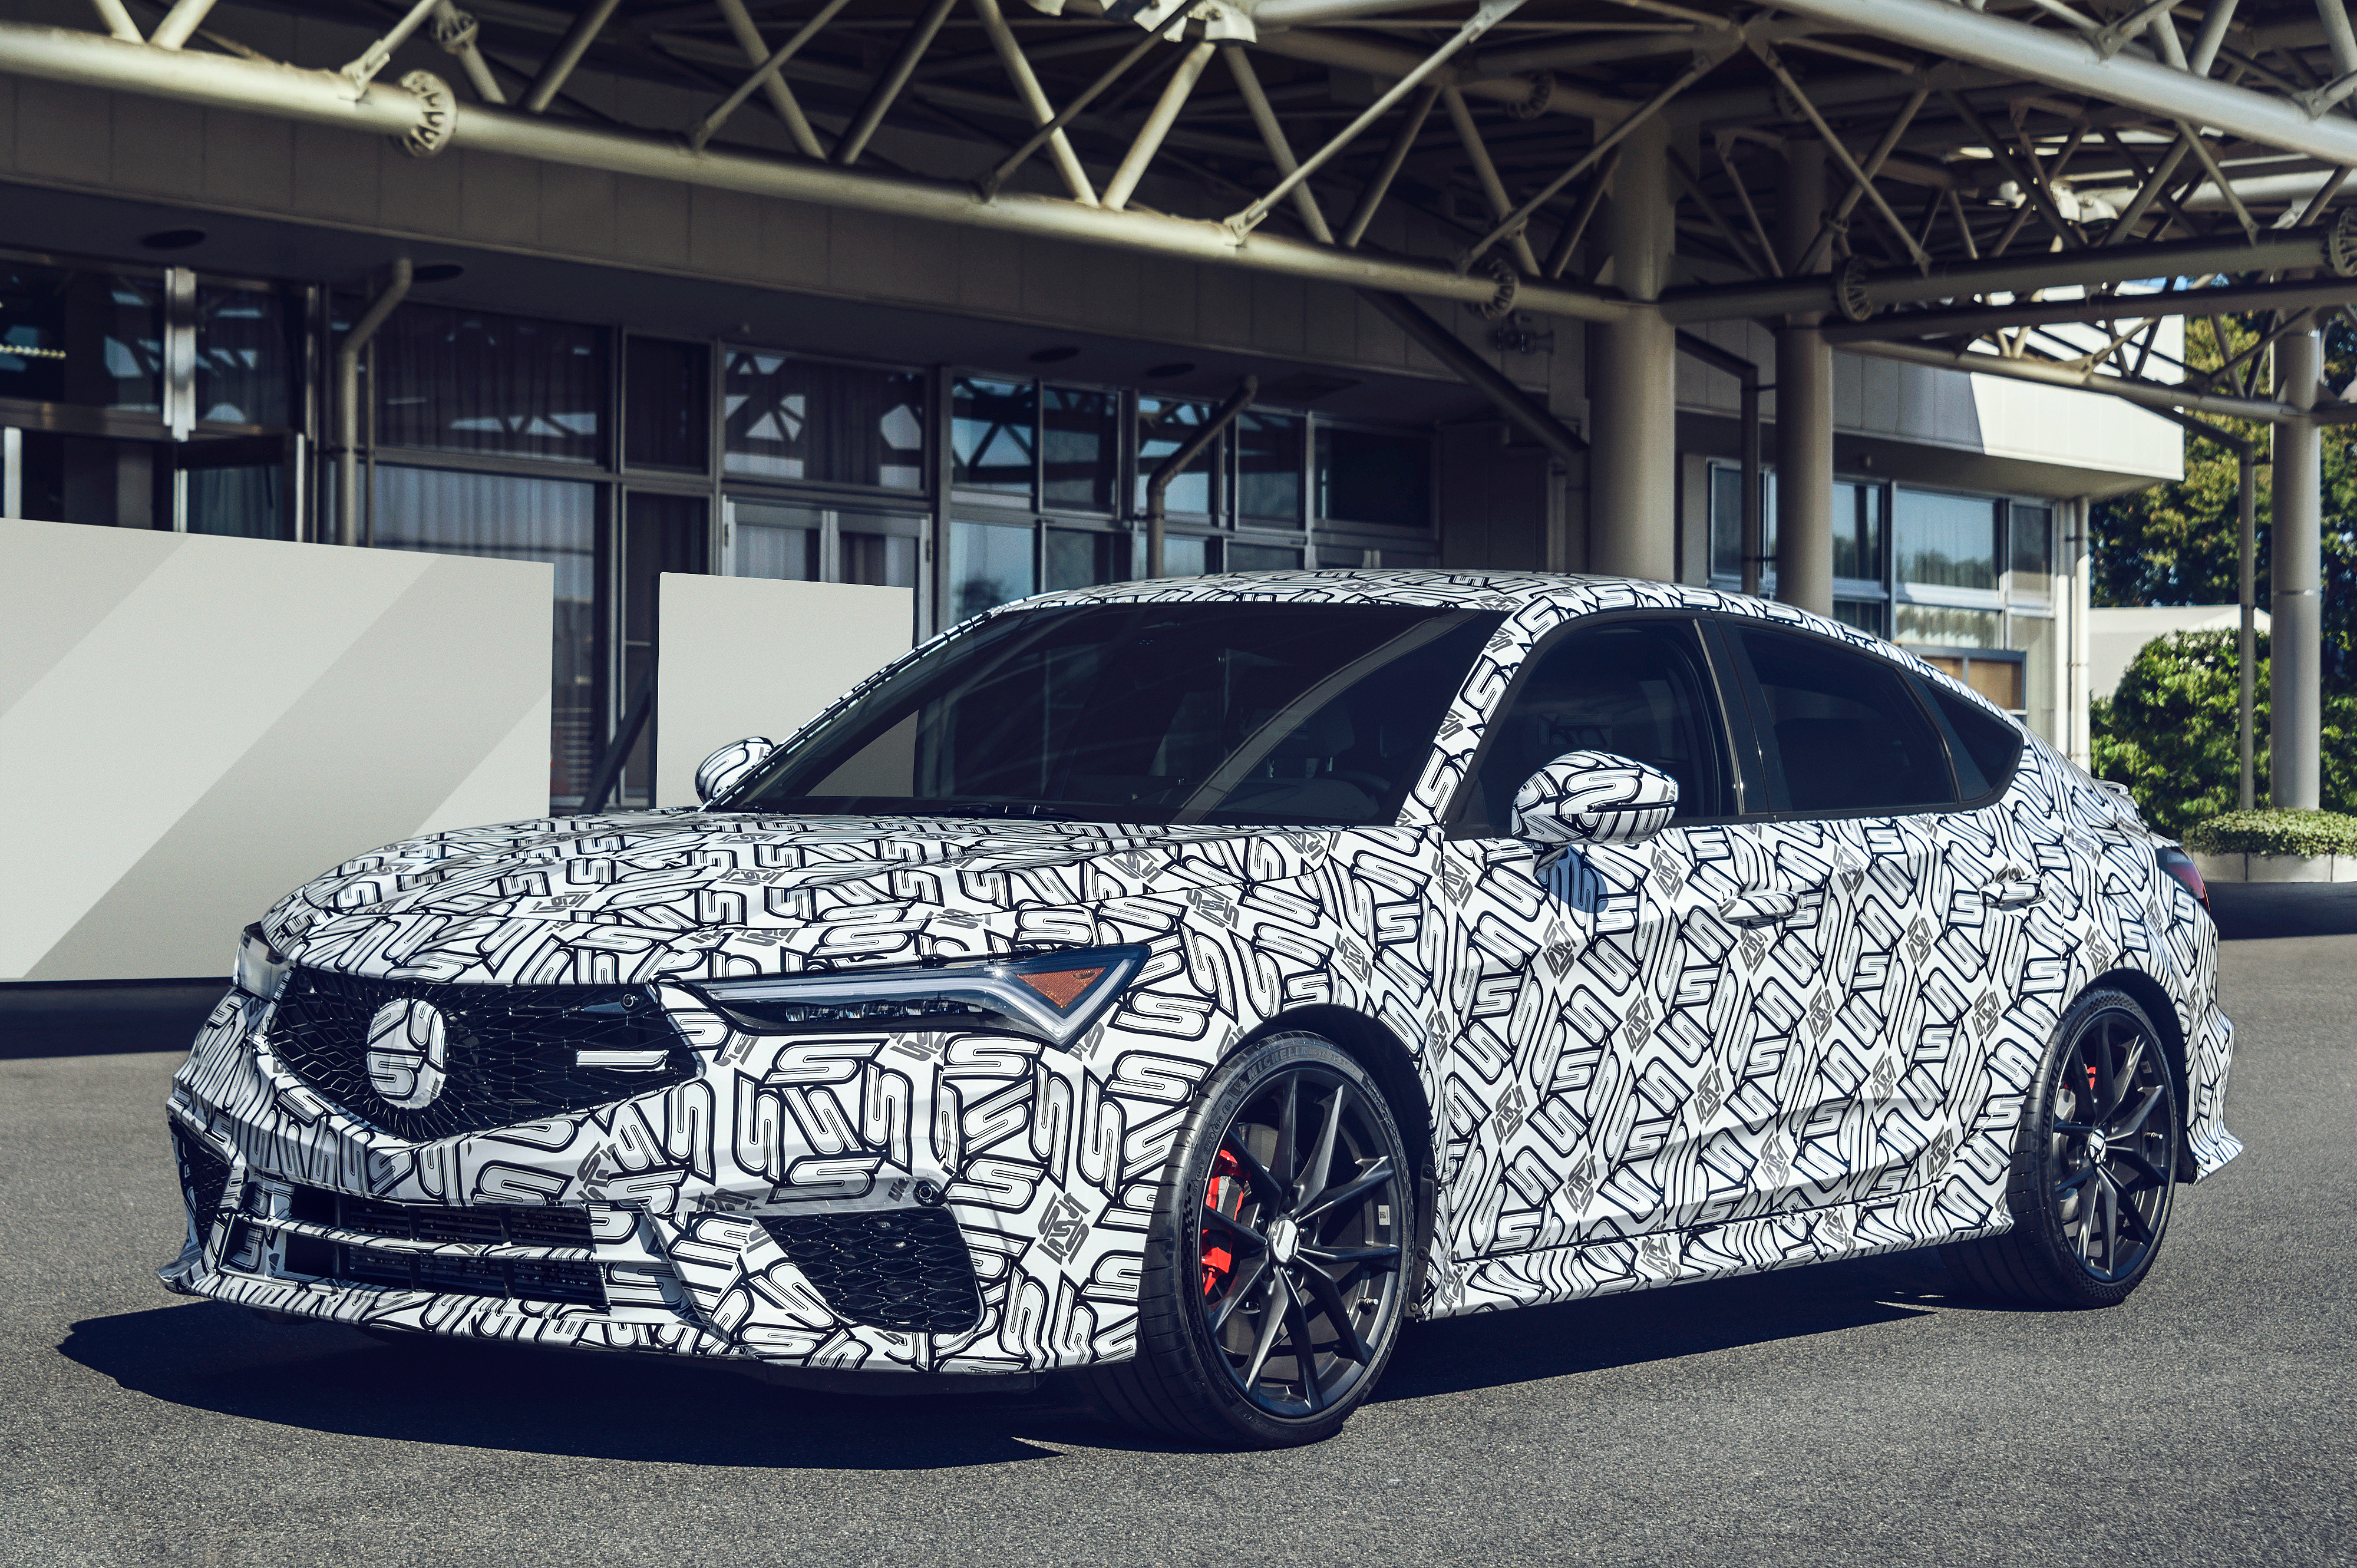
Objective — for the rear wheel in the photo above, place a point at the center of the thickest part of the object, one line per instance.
(1274, 1285)
(2095, 1168)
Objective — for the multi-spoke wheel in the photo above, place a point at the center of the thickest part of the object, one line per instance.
(2094, 1170)
(1276, 1275)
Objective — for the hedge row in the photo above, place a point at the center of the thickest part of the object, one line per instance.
(2276, 832)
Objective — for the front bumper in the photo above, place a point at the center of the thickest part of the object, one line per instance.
(947, 1204)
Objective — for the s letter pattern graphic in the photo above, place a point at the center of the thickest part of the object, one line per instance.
(1649, 1050)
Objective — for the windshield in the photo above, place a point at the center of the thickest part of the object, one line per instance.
(1283, 715)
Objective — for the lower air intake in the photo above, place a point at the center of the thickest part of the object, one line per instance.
(521, 1279)
(204, 1178)
(902, 1268)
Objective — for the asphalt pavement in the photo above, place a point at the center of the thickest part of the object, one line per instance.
(1850, 1413)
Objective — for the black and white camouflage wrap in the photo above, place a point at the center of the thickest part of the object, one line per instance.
(1623, 1085)
(1594, 797)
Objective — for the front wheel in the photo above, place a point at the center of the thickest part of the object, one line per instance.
(2094, 1169)
(1275, 1283)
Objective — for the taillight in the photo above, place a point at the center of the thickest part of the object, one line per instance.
(2180, 865)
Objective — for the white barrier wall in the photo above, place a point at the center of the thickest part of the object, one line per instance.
(742, 656)
(192, 726)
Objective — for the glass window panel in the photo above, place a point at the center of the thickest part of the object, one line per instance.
(518, 520)
(1727, 522)
(247, 501)
(804, 419)
(1985, 750)
(1256, 557)
(1372, 477)
(2032, 553)
(1857, 530)
(87, 338)
(990, 563)
(1869, 616)
(1998, 679)
(881, 552)
(665, 402)
(1947, 541)
(2034, 635)
(1944, 626)
(469, 381)
(1081, 435)
(659, 533)
(779, 542)
(244, 364)
(1085, 560)
(992, 434)
(1185, 555)
(1268, 465)
(1844, 730)
(1165, 425)
(89, 479)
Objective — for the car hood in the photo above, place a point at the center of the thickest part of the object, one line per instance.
(686, 893)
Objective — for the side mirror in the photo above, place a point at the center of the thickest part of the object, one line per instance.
(726, 768)
(1594, 797)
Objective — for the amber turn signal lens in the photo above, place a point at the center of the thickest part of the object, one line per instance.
(1063, 986)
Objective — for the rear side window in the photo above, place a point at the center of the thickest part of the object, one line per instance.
(1986, 749)
(1841, 731)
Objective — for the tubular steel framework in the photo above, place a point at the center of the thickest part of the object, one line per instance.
(1994, 170)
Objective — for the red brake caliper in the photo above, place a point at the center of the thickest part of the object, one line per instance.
(1226, 1194)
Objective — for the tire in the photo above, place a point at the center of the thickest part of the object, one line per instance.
(2093, 1169)
(1247, 1212)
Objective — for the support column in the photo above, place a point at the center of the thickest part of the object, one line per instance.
(2294, 734)
(1632, 385)
(1805, 403)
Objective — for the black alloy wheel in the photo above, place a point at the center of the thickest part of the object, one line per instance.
(1276, 1279)
(2094, 1170)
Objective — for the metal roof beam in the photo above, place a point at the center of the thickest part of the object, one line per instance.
(2077, 64)
(324, 97)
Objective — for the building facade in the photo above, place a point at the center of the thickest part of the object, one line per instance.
(625, 377)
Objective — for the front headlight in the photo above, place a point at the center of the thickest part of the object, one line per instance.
(261, 970)
(1054, 997)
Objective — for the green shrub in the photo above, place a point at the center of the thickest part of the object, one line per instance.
(2169, 733)
(2276, 832)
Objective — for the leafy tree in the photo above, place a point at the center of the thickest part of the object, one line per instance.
(2170, 734)
(2175, 544)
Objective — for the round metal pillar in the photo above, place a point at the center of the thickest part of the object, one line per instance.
(1804, 403)
(1632, 386)
(2294, 734)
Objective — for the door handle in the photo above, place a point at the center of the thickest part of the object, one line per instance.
(1763, 906)
(2013, 891)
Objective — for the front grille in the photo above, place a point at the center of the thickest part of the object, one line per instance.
(903, 1268)
(512, 1051)
(204, 1178)
(528, 1279)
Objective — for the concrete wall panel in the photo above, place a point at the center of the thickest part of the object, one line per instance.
(742, 656)
(194, 725)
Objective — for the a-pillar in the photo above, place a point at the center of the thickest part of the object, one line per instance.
(1632, 512)
(1805, 401)
(2295, 691)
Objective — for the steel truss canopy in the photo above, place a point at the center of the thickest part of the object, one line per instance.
(2040, 182)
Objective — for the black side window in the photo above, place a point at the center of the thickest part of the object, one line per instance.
(1639, 689)
(1841, 731)
(1986, 749)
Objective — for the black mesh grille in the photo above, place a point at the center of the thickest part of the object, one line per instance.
(904, 1268)
(204, 1177)
(528, 1279)
(511, 1049)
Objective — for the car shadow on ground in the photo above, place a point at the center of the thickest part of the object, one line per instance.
(329, 1379)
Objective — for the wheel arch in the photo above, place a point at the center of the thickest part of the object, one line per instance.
(2161, 1009)
(1386, 1058)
